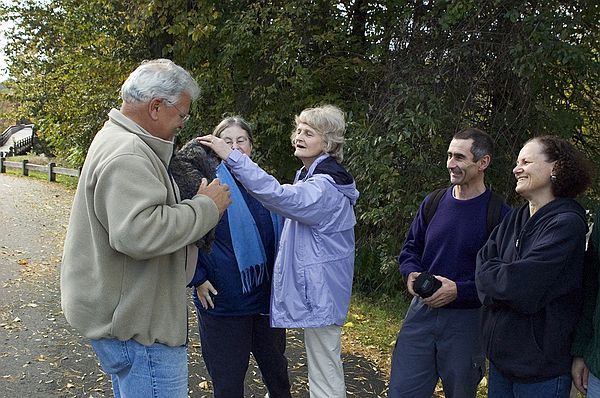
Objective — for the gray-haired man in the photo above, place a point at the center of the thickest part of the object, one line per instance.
(123, 277)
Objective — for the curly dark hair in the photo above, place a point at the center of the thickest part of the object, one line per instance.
(572, 173)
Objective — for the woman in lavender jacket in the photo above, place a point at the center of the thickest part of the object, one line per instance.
(312, 276)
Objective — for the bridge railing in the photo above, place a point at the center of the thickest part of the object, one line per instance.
(23, 145)
(51, 169)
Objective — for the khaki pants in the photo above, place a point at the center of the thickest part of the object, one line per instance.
(324, 358)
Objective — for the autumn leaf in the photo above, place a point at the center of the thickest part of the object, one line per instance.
(204, 385)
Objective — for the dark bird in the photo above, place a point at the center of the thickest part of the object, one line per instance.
(188, 166)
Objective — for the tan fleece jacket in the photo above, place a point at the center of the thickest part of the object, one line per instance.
(123, 270)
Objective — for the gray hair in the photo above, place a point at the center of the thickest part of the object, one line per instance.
(328, 120)
(159, 78)
(234, 121)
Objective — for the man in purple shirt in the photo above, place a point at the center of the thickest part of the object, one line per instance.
(440, 335)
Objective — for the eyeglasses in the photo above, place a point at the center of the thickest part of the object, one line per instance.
(239, 141)
(184, 116)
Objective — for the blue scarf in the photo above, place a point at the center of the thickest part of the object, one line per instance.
(247, 244)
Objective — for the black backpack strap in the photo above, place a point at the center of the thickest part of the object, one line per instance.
(431, 205)
(494, 211)
(494, 208)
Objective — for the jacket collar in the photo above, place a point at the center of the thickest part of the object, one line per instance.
(162, 148)
(349, 190)
(312, 168)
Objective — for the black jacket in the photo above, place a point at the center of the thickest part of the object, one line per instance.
(529, 279)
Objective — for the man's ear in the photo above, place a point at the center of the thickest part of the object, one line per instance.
(154, 108)
(484, 162)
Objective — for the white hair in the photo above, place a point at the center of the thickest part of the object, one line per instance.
(330, 122)
(159, 78)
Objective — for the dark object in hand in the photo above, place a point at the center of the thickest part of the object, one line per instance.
(426, 284)
(188, 166)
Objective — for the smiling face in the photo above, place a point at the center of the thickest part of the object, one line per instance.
(308, 144)
(463, 169)
(237, 138)
(533, 172)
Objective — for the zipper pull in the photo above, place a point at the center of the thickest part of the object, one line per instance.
(517, 243)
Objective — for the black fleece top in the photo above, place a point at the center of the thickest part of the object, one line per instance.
(529, 279)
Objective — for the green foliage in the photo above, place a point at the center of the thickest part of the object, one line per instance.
(409, 75)
(64, 58)
(514, 69)
(267, 61)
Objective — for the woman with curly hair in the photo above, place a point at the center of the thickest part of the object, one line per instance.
(529, 274)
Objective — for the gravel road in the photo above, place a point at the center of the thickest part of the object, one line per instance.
(41, 356)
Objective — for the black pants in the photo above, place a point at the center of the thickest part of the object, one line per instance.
(227, 342)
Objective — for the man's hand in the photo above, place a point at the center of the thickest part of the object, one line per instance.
(580, 374)
(204, 294)
(444, 295)
(410, 281)
(218, 192)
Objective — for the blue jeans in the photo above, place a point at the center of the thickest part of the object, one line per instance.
(501, 387)
(138, 371)
(593, 390)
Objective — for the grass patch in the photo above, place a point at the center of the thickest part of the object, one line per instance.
(372, 326)
(68, 181)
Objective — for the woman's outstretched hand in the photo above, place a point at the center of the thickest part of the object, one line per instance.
(221, 148)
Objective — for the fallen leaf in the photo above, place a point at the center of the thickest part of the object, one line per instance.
(203, 385)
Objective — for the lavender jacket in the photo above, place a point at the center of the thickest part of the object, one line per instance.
(312, 276)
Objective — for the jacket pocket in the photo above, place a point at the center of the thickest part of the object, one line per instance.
(514, 348)
(315, 289)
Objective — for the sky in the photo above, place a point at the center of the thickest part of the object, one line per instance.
(3, 26)
(3, 74)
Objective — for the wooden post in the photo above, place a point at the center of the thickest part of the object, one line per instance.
(51, 174)
(2, 166)
(25, 171)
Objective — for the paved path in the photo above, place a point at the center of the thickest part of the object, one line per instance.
(41, 356)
